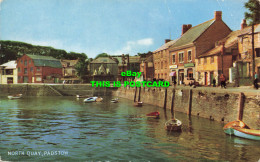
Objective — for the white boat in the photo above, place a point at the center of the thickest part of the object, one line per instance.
(93, 99)
(16, 96)
(173, 125)
(115, 100)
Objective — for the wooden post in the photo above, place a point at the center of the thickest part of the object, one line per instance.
(135, 94)
(165, 99)
(172, 106)
(240, 106)
(190, 102)
(139, 97)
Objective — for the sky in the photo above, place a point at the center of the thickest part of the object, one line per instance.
(109, 26)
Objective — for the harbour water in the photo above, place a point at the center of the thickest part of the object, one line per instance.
(66, 129)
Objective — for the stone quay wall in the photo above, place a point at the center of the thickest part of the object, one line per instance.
(213, 104)
(54, 90)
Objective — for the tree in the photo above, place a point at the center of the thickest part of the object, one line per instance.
(253, 16)
(102, 55)
(82, 68)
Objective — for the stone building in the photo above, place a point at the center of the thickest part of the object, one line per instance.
(245, 49)
(8, 73)
(161, 61)
(69, 71)
(218, 60)
(147, 68)
(193, 43)
(38, 69)
(104, 69)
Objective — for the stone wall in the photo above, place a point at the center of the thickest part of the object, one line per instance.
(215, 105)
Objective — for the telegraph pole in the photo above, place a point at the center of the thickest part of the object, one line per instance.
(253, 51)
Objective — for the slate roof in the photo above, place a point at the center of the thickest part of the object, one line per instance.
(193, 33)
(45, 61)
(9, 65)
(248, 30)
(103, 60)
(166, 45)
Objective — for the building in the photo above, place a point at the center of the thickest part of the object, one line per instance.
(104, 69)
(194, 42)
(69, 71)
(245, 50)
(38, 69)
(218, 60)
(161, 61)
(147, 68)
(8, 73)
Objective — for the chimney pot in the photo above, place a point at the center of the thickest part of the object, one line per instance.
(218, 15)
(243, 24)
(167, 40)
(184, 29)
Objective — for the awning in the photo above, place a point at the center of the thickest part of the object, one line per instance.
(173, 73)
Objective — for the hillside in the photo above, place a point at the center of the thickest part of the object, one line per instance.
(11, 50)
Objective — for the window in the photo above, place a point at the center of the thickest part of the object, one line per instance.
(9, 72)
(38, 79)
(38, 69)
(31, 69)
(257, 50)
(30, 61)
(205, 60)
(19, 77)
(25, 62)
(162, 65)
(181, 57)
(173, 59)
(189, 56)
(212, 59)
(21, 61)
(25, 70)
(19, 69)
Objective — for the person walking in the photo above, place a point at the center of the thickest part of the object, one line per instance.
(222, 81)
(255, 80)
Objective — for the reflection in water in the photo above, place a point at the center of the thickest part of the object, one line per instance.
(112, 132)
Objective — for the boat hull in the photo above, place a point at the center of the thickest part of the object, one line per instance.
(173, 125)
(245, 135)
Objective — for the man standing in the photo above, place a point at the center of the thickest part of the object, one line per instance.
(256, 80)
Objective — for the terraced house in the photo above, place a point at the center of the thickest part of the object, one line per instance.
(194, 42)
(38, 69)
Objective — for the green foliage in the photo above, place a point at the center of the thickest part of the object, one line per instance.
(253, 16)
(102, 55)
(82, 68)
(11, 50)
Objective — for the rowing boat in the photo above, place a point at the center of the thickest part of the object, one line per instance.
(155, 115)
(173, 125)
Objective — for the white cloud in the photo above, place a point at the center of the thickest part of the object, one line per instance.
(132, 47)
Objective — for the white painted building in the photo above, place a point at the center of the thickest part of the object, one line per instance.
(8, 73)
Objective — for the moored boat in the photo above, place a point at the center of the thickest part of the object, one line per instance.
(228, 128)
(81, 96)
(99, 99)
(240, 129)
(155, 115)
(90, 99)
(115, 100)
(173, 125)
(138, 104)
(16, 96)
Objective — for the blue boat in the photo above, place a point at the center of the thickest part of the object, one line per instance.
(240, 129)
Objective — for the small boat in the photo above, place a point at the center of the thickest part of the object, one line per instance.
(138, 104)
(16, 96)
(228, 128)
(173, 125)
(240, 129)
(115, 100)
(81, 96)
(99, 99)
(155, 115)
(90, 99)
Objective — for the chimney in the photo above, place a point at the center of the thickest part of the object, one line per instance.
(243, 24)
(189, 26)
(167, 40)
(184, 29)
(218, 15)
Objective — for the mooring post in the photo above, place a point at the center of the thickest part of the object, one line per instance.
(240, 106)
(135, 93)
(190, 102)
(172, 106)
(139, 97)
(165, 99)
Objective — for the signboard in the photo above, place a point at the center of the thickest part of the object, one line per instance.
(189, 65)
(173, 66)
